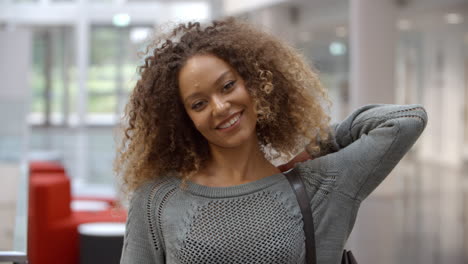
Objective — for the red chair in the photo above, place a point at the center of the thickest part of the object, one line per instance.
(52, 225)
(45, 166)
(51, 168)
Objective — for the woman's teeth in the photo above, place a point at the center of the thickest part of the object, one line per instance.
(231, 122)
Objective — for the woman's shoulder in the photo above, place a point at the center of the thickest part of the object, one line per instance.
(318, 174)
(150, 189)
(143, 234)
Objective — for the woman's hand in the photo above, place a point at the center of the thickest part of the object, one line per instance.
(301, 157)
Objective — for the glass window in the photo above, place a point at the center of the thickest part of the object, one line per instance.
(327, 50)
(113, 66)
(103, 70)
(102, 103)
(52, 70)
(100, 155)
(112, 73)
(38, 78)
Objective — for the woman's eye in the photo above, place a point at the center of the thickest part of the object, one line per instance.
(228, 85)
(197, 105)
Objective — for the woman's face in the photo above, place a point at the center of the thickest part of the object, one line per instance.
(217, 101)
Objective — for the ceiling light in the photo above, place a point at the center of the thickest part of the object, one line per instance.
(404, 24)
(453, 18)
(121, 20)
(139, 34)
(337, 48)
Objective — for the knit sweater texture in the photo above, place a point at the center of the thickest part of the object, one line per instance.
(260, 221)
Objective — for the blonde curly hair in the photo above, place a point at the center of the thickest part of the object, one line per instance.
(158, 136)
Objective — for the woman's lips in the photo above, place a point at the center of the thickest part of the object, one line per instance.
(235, 122)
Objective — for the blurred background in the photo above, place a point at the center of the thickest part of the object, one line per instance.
(67, 68)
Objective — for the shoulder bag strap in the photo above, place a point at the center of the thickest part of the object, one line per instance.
(298, 187)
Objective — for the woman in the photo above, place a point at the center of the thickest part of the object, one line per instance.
(214, 106)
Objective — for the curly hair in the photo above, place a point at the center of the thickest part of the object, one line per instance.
(158, 136)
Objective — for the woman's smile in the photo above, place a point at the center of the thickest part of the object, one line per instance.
(231, 123)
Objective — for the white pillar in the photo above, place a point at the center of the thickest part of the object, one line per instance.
(15, 93)
(15, 101)
(82, 31)
(373, 39)
(373, 45)
(453, 95)
(443, 82)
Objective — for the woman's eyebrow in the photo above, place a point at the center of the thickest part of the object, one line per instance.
(216, 82)
(221, 77)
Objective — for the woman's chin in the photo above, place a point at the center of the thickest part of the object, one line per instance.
(239, 140)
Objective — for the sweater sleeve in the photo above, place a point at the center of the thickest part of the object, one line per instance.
(371, 141)
(139, 241)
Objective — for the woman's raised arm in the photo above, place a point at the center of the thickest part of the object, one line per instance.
(372, 140)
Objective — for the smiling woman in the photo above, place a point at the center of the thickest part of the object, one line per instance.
(214, 105)
(185, 92)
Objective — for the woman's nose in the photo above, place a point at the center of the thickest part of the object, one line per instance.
(221, 106)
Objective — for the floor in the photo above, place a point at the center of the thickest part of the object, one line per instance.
(419, 214)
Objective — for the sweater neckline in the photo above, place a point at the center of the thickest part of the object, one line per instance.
(231, 191)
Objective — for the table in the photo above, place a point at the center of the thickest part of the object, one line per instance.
(101, 242)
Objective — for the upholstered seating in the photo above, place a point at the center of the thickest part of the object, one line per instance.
(52, 225)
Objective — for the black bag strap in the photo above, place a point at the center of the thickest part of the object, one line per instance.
(298, 187)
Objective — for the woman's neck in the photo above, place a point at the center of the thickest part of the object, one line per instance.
(234, 166)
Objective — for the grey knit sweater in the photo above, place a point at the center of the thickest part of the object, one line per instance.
(260, 221)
